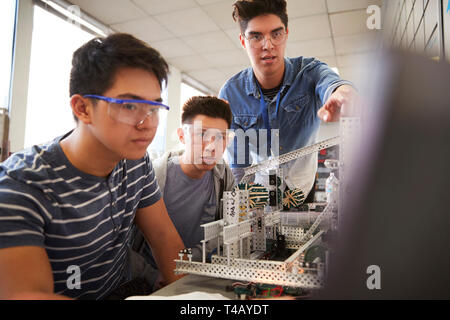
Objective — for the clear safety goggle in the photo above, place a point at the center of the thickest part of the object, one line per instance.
(258, 40)
(131, 111)
(201, 134)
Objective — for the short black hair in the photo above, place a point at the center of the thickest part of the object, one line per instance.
(95, 64)
(209, 106)
(245, 10)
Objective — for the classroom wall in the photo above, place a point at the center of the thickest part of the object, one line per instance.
(417, 25)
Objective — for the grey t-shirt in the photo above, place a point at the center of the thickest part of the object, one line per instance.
(190, 202)
(80, 220)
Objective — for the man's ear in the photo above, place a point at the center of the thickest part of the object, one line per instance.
(180, 133)
(81, 108)
(242, 40)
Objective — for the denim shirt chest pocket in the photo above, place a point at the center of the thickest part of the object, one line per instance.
(245, 121)
(296, 111)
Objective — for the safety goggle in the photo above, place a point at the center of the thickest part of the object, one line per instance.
(131, 111)
(202, 134)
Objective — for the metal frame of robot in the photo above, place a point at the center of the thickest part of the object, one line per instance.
(288, 272)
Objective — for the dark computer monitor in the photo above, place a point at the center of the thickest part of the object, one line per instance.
(398, 212)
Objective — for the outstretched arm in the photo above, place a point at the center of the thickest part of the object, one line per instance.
(342, 102)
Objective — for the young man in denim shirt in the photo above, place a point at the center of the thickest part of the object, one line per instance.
(285, 97)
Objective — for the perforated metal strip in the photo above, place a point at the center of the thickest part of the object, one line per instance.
(311, 281)
(326, 213)
(289, 157)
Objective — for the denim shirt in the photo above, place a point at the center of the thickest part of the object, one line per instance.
(307, 85)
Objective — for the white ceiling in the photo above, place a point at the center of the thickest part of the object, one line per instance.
(200, 38)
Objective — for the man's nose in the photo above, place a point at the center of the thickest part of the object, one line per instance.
(268, 42)
(210, 145)
(147, 123)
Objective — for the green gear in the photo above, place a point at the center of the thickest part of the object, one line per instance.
(293, 198)
(258, 196)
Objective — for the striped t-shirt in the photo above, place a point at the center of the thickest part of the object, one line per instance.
(84, 222)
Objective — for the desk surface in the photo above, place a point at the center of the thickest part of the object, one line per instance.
(191, 283)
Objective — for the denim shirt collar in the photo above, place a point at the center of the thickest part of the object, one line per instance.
(251, 86)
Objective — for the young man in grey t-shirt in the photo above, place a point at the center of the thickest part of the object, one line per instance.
(192, 181)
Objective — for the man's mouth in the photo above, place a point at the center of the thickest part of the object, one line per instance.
(142, 140)
(268, 58)
(208, 160)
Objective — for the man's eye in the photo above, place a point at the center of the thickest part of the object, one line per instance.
(129, 106)
(277, 34)
(256, 37)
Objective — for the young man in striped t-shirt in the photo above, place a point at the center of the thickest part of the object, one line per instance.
(67, 207)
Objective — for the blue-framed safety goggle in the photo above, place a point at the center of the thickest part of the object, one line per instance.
(132, 111)
(122, 101)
